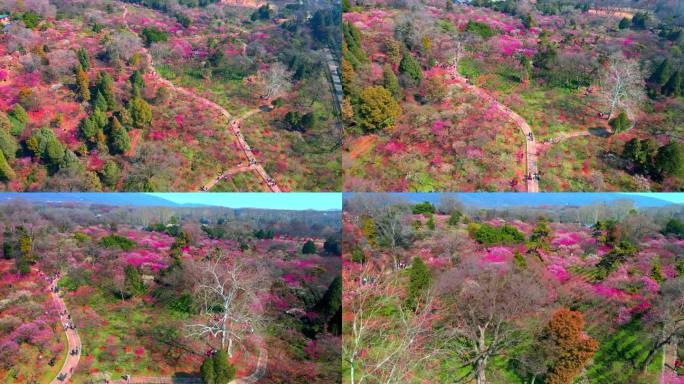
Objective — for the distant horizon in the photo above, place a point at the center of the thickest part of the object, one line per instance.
(297, 201)
(509, 199)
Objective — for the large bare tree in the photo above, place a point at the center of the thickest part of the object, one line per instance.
(483, 309)
(227, 288)
(276, 79)
(667, 316)
(623, 85)
(392, 231)
(377, 350)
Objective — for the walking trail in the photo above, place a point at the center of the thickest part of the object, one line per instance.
(569, 135)
(234, 125)
(73, 340)
(531, 144)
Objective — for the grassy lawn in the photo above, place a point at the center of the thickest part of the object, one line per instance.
(122, 342)
(621, 355)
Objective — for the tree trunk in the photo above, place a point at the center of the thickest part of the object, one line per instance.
(351, 371)
(481, 379)
(482, 359)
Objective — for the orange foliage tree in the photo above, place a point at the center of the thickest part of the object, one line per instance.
(572, 348)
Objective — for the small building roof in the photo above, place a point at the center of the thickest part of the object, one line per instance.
(2, 16)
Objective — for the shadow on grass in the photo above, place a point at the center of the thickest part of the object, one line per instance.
(599, 131)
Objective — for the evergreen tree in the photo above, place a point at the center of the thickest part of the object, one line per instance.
(133, 283)
(662, 72)
(331, 300)
(673, 87)
(519, 260)
(55, 152)
(8, 145)
(641, 153)
(620, 123)
(82, 84)
(110, 174)
(419, 281)
(19, 113)
(624, 23)
(431, 223)
(669, 160)
(309, 247)
(6, 172)
(455, 218)
(7, 249)
(89, 128)
(26, 246)
(542, 231)
(378, 109)
(119, 142)
(5, 123)
(105, 85)
(137, 79)
(22, 265)
(140, 112)
(224, 372)
(410, 67)
(100, 102)
(332, 246)
(657, 273)
(207, 371)
(83, 59)
(390, 82)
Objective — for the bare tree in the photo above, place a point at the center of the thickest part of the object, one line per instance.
(22, 39)
(392, 231)
(623, 85)
(667, 316)
(227, 289)
(482, 306)
(449, 203)
(380, 351)
(276, 80)
(122, 45)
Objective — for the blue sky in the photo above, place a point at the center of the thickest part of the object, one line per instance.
(677, 198)
(292, 200)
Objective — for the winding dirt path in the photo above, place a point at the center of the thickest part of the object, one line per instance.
(234, 125)
(531, 154)
(229, 173)
(73, 340)
(603, 132)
